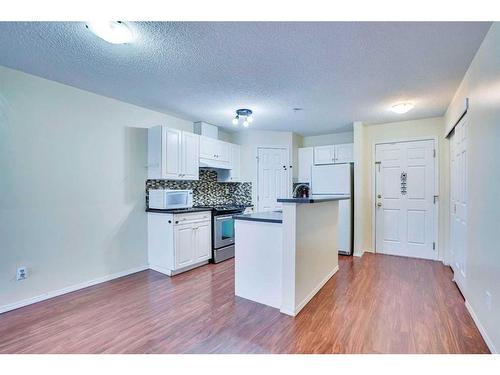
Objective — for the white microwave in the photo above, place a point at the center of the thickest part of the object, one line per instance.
(164, 199)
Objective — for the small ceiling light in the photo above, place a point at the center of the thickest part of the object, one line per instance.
(401, 108)
(115, 32)
(244, 113)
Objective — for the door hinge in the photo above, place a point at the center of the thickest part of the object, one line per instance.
(433, 246)
(434, 153)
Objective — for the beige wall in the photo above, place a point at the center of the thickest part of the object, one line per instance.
(72, 173)
(366, 136)
(481, 85)
(328, 139)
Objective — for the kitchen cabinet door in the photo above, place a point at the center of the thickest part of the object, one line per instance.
(171, 154)
(203, 241)
(190, 156)
(344, 153)
(208, 148)
(223, 153)
(324, 155)
(184, 245)
(235, 173)
(305, 164)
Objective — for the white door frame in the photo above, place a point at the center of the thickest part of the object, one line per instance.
(436, 187)
(289, 175)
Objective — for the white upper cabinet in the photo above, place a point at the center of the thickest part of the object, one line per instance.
(334, 154)
(233, 174)
(344, 153)
(235, 163)
(172, 154)
(224, 151)
(208, 148)
(324, 155)
(215, 153)
(190, 156)
(305, 163)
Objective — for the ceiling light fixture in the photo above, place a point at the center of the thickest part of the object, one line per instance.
(244, 113)
(115, 32)
(401, 108)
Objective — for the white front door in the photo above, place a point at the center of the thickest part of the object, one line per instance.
(405, 205)
(458, 200)
(272, 179)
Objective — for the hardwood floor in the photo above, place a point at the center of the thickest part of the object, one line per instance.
(374, 304)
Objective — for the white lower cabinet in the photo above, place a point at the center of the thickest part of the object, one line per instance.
(179, 242)
(184, 243)
(203, 241)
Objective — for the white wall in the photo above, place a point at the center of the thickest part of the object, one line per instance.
(366, 136)
(72, 177)
(328, 139)
(481, 85)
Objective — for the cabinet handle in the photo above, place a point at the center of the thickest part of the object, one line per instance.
(176, 222)
(170, 221)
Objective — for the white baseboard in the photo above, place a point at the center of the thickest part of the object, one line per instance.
(358, 254)
(69, 289)
(304, 302)
(159, 269)
(481, 329)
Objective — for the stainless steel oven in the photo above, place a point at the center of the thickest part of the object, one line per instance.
(223, 231)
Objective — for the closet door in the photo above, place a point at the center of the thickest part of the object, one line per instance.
(458, 206)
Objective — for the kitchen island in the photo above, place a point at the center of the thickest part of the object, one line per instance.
(282, 259)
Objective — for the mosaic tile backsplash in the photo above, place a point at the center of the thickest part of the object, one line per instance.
(207, 191)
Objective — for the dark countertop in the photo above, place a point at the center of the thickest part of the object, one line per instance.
(267, 217)
(178, 210)
(312, 200)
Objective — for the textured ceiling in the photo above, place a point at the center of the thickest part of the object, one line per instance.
(337, 72)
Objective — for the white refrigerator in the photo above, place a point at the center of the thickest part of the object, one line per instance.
(336, 180)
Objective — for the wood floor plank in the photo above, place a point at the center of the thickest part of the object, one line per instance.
(374, 304)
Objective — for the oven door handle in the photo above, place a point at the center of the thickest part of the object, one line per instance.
(217, 218)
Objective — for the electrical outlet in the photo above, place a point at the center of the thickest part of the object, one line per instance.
(488, 300)
(22, 273)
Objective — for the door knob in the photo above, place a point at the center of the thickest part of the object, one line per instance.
(379, 204)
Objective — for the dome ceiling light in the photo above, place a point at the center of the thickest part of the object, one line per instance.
(114, 32)
(245, 114)
(401, 108)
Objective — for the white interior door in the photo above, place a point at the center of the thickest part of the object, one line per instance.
(458, 200)
(272, 179)
(405, 205)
